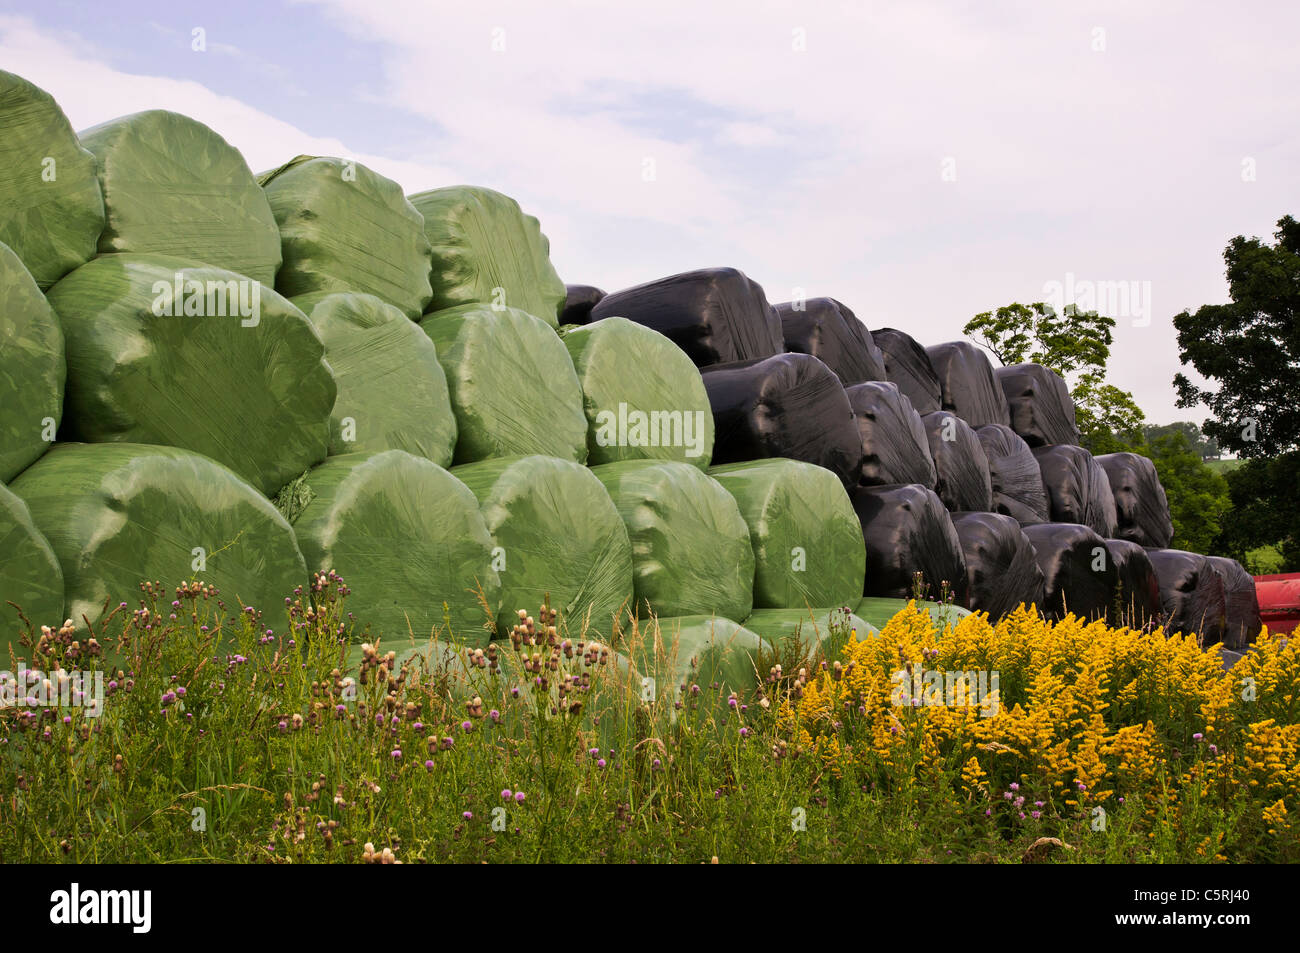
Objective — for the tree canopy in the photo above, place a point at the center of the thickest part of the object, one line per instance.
(1075, 344)
(1250, 348)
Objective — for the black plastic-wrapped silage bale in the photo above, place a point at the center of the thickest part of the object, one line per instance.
(1077, 488)
(1078, 573)
(1013, 472)
(961, 466)
(1137, 590)
(1141, 507)
(969, 388)
(908, 531)
(1191, 594)
(51, 207)
(830, 332)
(715, 315)
(895, 448)
(1001, 564)
(578, 302)
(789, 405)
(908, 365)
(1042, 411)
(1241, 602)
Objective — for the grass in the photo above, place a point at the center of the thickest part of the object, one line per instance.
(226, 737)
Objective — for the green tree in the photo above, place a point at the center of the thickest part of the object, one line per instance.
(1075, 344)
(1250, 349)
(1198, 497)
(1207, 447)
(1265, 498)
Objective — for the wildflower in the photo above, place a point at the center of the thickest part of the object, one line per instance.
(428, 765)
(467, 726)
(600, 763)
(494, 715)
(505, 794)
(396, 754)
(468, 815)
(519, 797)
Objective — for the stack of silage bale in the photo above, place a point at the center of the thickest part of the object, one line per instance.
(196, 341)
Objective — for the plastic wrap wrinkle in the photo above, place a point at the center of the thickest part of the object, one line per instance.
(715, 315)
(908, 365)
(790, 405)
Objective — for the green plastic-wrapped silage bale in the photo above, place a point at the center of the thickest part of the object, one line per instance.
(512, 384)
(486, 250)
(715, 653)
(392, 392)
(226, 368)
(120, 514)
(810, 627)
(32, 370)
(346, 228)
(807, 540)
(643, 397)
(173, 186)
(30, 576)
(558, 532)
(878, 610)
(51, 208)
(406, 536)
(691, 553)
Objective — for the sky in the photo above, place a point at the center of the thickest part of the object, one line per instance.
(921, 162)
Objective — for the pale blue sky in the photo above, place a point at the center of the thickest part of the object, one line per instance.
(805, 143)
